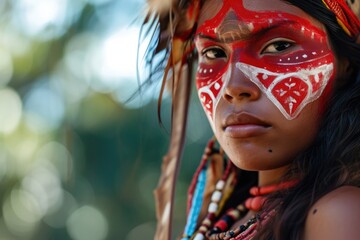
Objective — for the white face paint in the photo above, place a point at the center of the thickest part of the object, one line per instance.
(290, 92)
(290, 61)
(210, 91)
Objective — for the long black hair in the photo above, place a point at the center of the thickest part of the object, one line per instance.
(333, 160)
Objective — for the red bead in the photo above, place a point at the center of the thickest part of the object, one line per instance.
(264, 190)
(255, 203)
(222, 225)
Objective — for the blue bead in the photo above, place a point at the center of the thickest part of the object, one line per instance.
(196, 204)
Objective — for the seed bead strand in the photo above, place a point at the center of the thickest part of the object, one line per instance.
(196, 206)
(248, 230)
(203, 165)
(228, 219)
(241, 231)
(196, 192)
(213, 208)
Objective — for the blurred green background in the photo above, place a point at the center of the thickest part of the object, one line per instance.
(77, 160)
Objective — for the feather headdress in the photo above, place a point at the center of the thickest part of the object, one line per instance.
(347, 13)
(176, 24)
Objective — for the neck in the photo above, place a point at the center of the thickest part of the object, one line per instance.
(269, 177)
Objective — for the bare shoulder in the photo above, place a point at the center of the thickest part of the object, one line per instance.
(335, 216)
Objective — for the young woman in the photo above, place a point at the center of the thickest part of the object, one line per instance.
(279, 82)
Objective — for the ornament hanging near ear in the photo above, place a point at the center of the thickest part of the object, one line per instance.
(355, 6)
(347, 13)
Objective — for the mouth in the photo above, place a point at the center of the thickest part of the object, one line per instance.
(244, 125)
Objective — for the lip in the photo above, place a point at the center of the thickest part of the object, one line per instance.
(244, 125)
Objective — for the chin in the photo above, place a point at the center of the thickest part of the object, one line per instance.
(260, 163)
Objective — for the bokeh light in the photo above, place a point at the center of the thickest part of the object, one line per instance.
(80, 142)
(3, 164)
(22, 213)
(142, 231)
(61, 213)
(87, 223)
(44, 107)
(58, 159)
(10, 110)
(6, 67)
(43, 183)
(78, 55)
(47, 20)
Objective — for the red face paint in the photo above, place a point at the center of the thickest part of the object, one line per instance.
(290, 79)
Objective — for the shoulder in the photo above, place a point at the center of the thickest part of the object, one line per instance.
(335, 216)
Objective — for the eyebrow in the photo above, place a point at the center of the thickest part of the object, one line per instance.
(237, 36)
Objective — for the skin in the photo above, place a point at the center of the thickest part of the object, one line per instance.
(233, 43)
(290, 80)
(269, 143)
(335, 216)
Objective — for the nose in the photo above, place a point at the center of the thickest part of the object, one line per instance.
(238, 87)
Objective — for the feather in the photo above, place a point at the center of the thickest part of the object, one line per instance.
(164, 194)
(160, 6)
(176, 28)
(355, 6)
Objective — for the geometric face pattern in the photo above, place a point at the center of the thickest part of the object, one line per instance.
(209, 88)
(290, 91)
(290, 80)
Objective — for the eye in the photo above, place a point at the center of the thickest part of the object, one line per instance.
(213, 53)
(278, 46)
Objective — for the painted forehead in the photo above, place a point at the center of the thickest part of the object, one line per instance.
(218, 17)
(290, 80)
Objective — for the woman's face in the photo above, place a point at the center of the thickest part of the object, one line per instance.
(265, 70)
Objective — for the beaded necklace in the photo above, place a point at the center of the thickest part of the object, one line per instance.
(254, 203)
(216, 227)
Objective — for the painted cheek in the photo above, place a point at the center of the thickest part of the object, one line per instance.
(209, 83)
(294, 85)
(295, 79)
(291, 81)
(325, 96)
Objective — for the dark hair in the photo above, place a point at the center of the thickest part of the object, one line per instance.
(333, 160)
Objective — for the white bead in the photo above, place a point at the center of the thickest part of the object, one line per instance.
(216, 196)
(212, 208)
(220, 185)
(199, 236)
